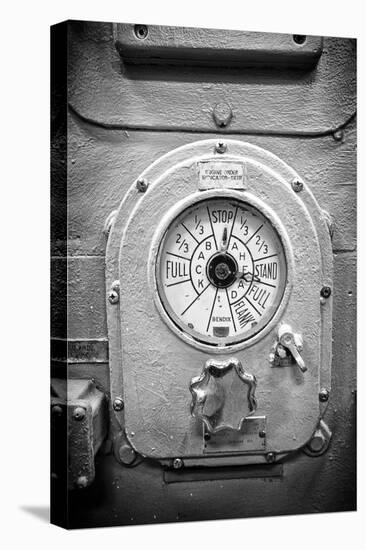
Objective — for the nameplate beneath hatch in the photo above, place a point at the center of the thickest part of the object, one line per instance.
(188, 475)
(221, 174)
(251, 437)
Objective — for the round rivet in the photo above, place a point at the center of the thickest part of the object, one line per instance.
(79, 413)
(262, 434)
(118, 404)
(270, 457)
(323, 395)
(326, 291)
(177, 463)
(142, 185)
(297, 185)
(221, 147)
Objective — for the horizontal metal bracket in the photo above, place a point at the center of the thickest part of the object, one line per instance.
(214, 47)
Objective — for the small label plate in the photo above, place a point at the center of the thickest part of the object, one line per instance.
(79, 351)
(252, 437)
(218, 174)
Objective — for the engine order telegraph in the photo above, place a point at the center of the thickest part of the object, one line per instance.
(220, 346)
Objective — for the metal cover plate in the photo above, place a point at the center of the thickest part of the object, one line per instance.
(252, 437)
(182, 98)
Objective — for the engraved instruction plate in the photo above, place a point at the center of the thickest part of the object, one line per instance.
(251, 437)
(219, 174)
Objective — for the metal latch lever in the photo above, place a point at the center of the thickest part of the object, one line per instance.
(293, 343)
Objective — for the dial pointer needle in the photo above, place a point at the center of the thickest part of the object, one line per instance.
(224, 242)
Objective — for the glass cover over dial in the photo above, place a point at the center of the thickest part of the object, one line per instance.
(221, 271)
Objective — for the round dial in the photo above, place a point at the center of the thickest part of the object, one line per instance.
(221, 271)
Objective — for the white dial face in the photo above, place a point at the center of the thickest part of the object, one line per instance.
(221, 271)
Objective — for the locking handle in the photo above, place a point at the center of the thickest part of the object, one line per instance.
(293, 343)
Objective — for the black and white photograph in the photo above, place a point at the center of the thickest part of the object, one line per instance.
(183, 282)
(203, 273)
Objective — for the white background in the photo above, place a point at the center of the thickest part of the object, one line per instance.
(24, 456)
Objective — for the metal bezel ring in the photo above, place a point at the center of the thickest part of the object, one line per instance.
(168, 315)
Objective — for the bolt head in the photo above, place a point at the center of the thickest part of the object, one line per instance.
(177, 463)
(221, 147)
(113, 297)
(79, 413)
(297, 185)
(142, 185)
(270, 457)
(222, 114)
(326, 291)
(126, 454)
(323, 395)
(118, 404)
(317, 442)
